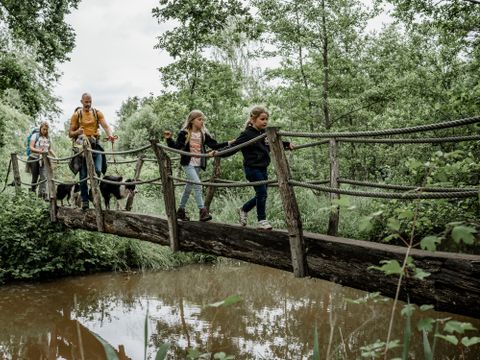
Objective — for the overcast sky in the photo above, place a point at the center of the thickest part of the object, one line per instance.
(114, 56)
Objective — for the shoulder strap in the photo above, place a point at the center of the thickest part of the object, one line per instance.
(80, 112)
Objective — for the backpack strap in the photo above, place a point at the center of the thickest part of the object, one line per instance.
(80, 113)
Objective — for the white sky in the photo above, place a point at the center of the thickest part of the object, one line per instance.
(114, 56)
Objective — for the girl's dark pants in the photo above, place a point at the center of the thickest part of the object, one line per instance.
(260, 199)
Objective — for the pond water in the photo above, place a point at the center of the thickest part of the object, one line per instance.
(89, 316)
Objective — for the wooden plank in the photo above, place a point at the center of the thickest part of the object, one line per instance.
(335, 211)
(454, 283)
(93, 185)
(131, 195)
(290, 205)
(168, 188)
(16, 173)
(211, 189)
(51, 187)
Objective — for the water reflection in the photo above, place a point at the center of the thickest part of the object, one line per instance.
(274, 320)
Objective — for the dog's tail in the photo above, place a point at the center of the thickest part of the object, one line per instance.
(6, 177)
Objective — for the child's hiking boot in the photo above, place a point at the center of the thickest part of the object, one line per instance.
(242, 217)
(205, 215)
(264, 225)
(182, 215)
(84, 205)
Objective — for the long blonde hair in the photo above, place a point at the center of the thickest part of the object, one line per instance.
(187, 125)
(254, 113)
(42, 124)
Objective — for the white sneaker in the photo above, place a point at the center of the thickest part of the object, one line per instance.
(242, 217)
(264, 225)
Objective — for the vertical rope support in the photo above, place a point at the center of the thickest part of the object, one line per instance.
(51, 187)
(138, 169)
(335, 211)
(94, 185)
(292, 214)
(211, 189)
(16, 173)
(165, 168)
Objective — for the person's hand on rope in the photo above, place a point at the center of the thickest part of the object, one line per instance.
(291, 146)
(212, 153)
(167, 134)
(112, 138)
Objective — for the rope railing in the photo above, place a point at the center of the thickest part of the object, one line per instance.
(404, 187)
(63, 182)
(397, 131)
(217, 153)
(33, 184)
(133, 151)
(136, 182)
(232, 184)
(303, 146)
(28, 161)
(65, 158)
(412, 141)
(399, 196)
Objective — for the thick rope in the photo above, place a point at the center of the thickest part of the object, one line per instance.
(138, 182)
(232, 184)
(420, 128)
(33, 184)
(61, 182)
(413, 141)
(65, 158)
(404, 187)
(400, 196)
(217, 153)
(134, 151)
(303, 146)
(28, 161)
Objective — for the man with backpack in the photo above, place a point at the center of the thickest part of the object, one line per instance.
(85, 121)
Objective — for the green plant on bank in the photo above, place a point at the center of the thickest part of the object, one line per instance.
(460, 233)
(32, 247)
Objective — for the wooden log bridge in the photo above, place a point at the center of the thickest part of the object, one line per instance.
(454, 283)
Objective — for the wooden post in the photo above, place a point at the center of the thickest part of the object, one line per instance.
(131, 195)
(16, 173)
(335, 211)
(292, 214)
(93, 184)
(165, 168)
(51, 187)
(211, 189)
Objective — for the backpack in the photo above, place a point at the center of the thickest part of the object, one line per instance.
(29, 138)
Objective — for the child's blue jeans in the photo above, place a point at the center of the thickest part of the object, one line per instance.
(260, 199)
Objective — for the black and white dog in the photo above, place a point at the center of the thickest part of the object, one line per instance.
(118, 191)
(69, 191)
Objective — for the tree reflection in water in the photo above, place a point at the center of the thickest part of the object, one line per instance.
(274, 320)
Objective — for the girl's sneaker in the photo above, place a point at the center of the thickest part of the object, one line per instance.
(242, 217)
(264, 225)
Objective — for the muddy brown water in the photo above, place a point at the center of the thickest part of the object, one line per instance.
(87, 317)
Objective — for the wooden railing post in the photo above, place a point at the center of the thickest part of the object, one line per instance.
(335, 210)
(51, 187)
(211, 189)
(16, 173)
(168, 188)
(93, 184)
(131, 195)
(292, 214)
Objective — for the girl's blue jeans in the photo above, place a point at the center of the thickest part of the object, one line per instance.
(260, 198)
(192, 173)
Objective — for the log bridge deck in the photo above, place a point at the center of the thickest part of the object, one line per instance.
(454, 283)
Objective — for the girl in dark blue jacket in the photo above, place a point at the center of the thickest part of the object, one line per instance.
(192, 138)
(256, 159)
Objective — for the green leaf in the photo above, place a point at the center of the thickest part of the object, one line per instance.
(227, 301)
(457, 326)
(393, 224)
(162, 351)
(389, 267)
(342, 202)
(407, 332)
(391, 237)
(408, 310)
(425, 324)
(365, 224)
(426, 307)
(470, 341)
(406, 214)
(430, 243)
(450, 338)
(421, 274)
(463, 233)
(427, 350)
